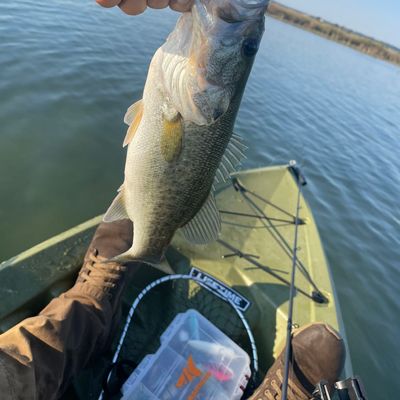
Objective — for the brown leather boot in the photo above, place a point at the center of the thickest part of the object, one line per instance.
(318, 354)
(106, 281)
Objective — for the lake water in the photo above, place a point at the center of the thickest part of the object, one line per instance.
(69, 70)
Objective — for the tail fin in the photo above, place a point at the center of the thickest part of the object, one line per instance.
(159, 263)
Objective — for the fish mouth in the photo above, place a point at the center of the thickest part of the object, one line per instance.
(253, 3)
(241, 10)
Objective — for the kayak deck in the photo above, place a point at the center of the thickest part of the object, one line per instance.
(260, 224)
(253, 256)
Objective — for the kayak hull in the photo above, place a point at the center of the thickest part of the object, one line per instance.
(253, 256)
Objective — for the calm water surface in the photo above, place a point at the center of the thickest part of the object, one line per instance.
(69, 70)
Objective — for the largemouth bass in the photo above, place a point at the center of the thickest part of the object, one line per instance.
(180, 134)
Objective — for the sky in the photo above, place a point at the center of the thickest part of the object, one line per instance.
(376, 18)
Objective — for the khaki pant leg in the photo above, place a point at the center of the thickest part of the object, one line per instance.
(40, 355)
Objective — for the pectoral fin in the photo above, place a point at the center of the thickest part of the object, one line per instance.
(171, 138)
(206, 224)
(133, 117)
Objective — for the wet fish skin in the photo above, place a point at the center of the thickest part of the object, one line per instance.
(190, 101)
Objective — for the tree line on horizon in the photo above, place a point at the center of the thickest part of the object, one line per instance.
(335, 32)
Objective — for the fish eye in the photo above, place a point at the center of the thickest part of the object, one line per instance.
(250, 47)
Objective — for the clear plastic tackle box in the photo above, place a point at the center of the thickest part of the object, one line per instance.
(195, 361)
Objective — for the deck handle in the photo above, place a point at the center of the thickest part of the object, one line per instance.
(299, 176)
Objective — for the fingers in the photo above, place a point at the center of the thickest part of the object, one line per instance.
(157, 3)
(108, 3)
(133, 7)
(181, 5)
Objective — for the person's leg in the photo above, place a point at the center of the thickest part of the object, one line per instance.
(40, 355)
(318, 354)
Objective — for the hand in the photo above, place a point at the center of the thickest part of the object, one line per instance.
(134, 7)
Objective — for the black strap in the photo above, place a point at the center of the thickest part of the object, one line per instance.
(113, 381)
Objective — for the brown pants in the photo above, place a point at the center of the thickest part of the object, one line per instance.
(40, 355)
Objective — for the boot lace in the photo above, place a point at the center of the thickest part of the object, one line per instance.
(100, 273)
(274, 389)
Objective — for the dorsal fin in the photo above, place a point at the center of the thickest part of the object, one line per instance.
(205, 226)
(117, 209)
(133, 117)
(231, 159)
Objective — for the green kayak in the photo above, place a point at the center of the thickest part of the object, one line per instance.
(253, 257)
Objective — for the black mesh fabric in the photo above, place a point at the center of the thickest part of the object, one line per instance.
(162, 303)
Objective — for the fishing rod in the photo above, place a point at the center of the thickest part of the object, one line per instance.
(301, 181)
(347, 389)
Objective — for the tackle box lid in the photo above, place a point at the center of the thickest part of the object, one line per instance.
(195, 361)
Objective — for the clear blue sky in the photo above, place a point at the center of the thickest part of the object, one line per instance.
(377, 18)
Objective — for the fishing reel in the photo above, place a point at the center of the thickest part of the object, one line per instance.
(347, 389)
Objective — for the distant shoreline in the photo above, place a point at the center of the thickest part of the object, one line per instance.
(340, 34)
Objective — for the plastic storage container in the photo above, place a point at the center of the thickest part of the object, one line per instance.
(195, 361)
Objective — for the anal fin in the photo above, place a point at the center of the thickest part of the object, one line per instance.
(117, 209)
